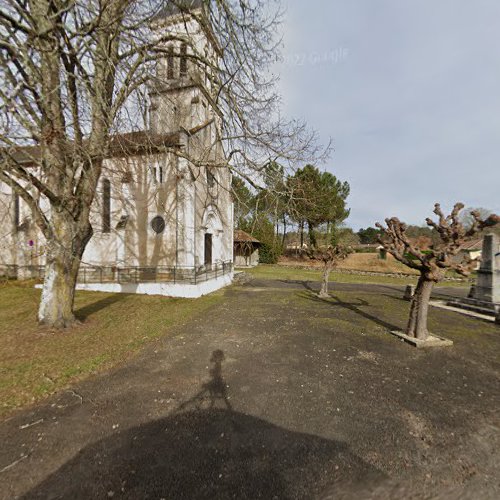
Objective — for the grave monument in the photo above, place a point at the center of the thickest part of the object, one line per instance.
(484, 296)
(487, 287)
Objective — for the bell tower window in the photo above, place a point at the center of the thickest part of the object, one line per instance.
(17, 218)
(170, 63)
(210, 178)
(183, 61)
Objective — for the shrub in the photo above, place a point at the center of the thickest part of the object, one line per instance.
(268, 254)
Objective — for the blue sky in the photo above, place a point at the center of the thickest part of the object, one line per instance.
(409, 92)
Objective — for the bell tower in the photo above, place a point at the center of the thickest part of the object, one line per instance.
(181, 92)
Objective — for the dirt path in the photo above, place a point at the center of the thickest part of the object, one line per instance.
(275, 394)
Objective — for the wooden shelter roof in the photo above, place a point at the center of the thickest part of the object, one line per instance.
(243, 237)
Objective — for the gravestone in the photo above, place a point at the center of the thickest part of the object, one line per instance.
(409, 292)
(487, 288)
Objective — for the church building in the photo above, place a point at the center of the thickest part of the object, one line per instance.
(163, 215)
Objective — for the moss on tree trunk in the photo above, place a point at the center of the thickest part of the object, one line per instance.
(58, 294)
(64, 254)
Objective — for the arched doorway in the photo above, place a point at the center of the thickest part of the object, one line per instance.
(211, 237)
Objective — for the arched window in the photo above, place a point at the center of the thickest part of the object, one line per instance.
(170, 63)
(106, 206)
(210, 178)
(183, 62)
(17, 218)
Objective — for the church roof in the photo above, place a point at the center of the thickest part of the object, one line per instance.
(136, 143)
(121, 145)
(476, 244)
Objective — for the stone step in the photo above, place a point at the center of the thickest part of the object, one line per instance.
(475, 302)
(478, 307)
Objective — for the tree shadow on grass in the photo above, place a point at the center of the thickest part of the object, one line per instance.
(394, 297)
(210, 453)
(355, 307)
(84, 312)
(303, 283)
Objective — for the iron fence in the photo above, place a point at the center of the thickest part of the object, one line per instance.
(130, 274)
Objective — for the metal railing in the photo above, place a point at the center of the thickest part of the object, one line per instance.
(130, 274)
(13, 272)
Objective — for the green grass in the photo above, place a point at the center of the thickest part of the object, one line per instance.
(36, 362)
(276, 272)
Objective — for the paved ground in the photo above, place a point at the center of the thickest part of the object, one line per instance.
(275, 394)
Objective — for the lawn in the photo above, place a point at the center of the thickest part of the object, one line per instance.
(35, 361)
(278, 272)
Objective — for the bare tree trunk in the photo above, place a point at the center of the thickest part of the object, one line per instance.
(283, 242)
(312, 236)
(301, 235)
(276, 225)
(417, 325)
(64, 254)
(323, 293)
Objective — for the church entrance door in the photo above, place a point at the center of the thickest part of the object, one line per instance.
(208, 251)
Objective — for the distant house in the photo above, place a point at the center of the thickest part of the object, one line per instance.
(473, 249)
(246, 249)
(295, 245)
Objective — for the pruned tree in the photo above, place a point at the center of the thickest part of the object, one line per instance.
(330, 257)
(74, 73)
(434, 262)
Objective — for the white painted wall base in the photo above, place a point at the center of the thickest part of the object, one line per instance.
(181, 290)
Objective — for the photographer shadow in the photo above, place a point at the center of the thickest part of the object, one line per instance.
(201, 451)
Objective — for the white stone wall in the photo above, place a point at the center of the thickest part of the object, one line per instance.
(181, 290)
(148, 194)
(20, 241)
(246, 259)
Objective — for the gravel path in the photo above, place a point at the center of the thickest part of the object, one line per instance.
(275, 394)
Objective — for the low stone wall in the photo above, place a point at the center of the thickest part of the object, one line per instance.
(395, 275)
(375, 273)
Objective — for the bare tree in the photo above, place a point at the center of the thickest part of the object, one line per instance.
(74, 73)
(330, 257)
(434, 262)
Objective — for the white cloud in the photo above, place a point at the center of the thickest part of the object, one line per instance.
(413, 108)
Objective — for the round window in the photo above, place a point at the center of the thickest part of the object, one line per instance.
(158, 224)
